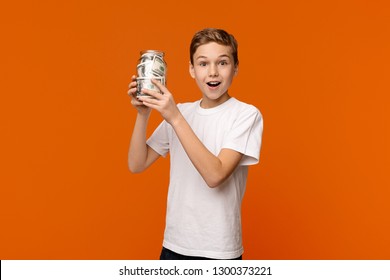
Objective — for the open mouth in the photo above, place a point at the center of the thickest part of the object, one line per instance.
(213, 84)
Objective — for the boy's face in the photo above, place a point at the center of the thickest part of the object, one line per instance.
(213, 71)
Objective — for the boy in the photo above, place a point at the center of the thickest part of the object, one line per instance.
(211, 143)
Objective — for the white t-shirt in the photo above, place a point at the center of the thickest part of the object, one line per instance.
(204, 221)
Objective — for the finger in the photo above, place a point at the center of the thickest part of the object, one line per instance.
(152, 93)
(133, 78)
(148, 100)
(133, 81)
(135, 102)
(160, 86)
(133, 84)
(132, 91)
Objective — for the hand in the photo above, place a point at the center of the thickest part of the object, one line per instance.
(141, 108)
(161, 101)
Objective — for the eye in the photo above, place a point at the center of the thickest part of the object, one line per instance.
(202, 63)
(223, 62)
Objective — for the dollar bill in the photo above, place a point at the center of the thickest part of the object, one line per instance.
(144, 69)
(146, 82)
(158, 66)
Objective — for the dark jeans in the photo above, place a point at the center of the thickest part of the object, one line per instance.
(167, 254)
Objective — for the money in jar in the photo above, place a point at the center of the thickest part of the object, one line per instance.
(151, 65)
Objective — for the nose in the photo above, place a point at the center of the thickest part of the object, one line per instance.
(213, 70)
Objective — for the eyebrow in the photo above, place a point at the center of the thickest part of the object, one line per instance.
(205, 57)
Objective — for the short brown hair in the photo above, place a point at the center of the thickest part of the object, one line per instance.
(218, 36)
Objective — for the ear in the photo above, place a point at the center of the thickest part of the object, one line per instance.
(236, 70)
(191, 69)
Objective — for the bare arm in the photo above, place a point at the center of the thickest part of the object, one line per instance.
(214, 169)
(140, 156)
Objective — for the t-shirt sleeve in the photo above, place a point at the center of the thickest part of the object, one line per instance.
(246, 135)
(159, 140)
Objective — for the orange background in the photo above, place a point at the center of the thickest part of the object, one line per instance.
(318, 70)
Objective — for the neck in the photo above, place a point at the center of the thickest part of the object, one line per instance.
(207, 103)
